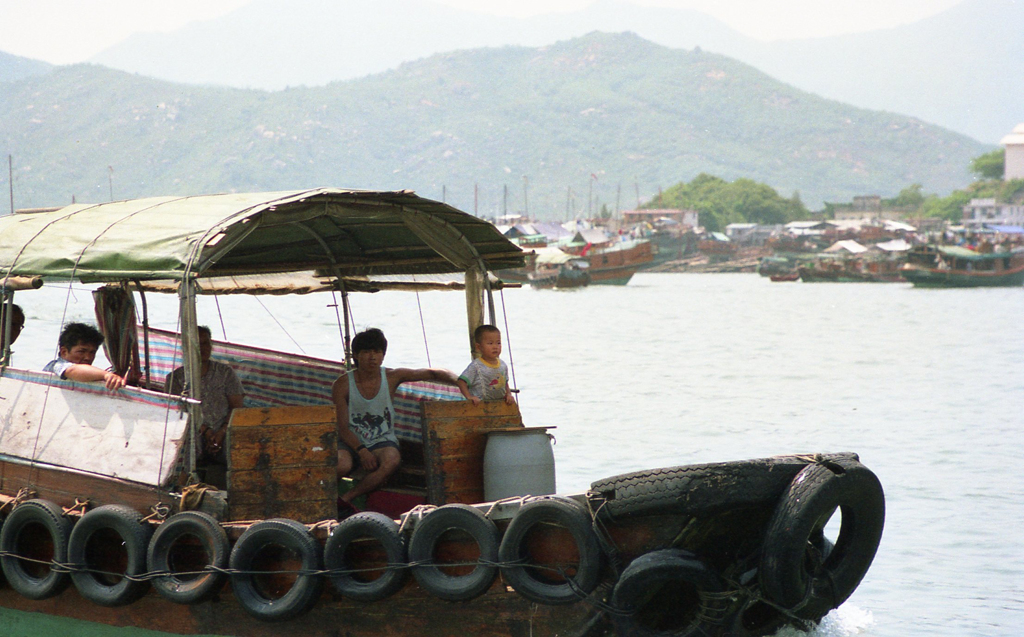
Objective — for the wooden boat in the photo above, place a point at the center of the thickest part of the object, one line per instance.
(104, 521)
(835, 269)
(937, 266)
(553, 268)
(669, 245)
(616, 263)
(562, 277)
(788, 276)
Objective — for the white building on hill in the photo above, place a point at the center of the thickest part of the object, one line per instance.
(1014, 143)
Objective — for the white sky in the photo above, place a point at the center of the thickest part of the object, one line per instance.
(68, 31)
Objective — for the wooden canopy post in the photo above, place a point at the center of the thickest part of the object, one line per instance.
(474, 302)
(7, 305)
(193, 367)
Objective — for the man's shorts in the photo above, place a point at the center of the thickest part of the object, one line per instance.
(356, 463)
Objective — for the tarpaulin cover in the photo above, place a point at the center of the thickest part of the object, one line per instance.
(351, 232)
(1005, 229)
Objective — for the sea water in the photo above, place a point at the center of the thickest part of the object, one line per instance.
(926, 385)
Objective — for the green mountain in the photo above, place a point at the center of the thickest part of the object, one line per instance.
(605, 115)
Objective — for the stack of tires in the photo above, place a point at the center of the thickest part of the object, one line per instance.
(800, 575)
(189, 557)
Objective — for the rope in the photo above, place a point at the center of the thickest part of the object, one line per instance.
(341, 328)
(283, 329)
(79, 506)
(223, 330)
(416, 513)
(157, 511)
(604, 539)
(67, 567)
(24, 493)
(508, 341)
(423, 325)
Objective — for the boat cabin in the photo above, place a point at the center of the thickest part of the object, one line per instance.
(72, 442)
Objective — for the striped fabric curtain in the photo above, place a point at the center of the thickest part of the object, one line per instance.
(115, 314)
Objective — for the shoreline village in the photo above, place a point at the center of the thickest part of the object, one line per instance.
(119, 509)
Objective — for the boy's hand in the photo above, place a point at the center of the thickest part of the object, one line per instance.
(509, 400)
(475, 400)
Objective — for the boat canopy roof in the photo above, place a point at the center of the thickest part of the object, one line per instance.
(847, 245)
(968, 254)
(348, 233)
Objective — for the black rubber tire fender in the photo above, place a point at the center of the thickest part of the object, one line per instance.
(23, 521)
(516, 568)
(799, 570)
(701, 488)
(666, 579)
(306, 588)
(134, 534)
(361, 526)
(212, 540)
(427, 534)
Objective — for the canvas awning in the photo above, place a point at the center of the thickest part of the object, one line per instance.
(1005, 229)
(849, 245)
(895, 245)
(348, 232)
(552, 256)
(967, 254)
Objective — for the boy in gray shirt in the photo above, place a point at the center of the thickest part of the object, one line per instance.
(486, 378)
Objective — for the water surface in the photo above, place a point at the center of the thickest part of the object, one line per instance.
(926, 385)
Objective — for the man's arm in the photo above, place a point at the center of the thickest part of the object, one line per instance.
(216, 438)
(88, 374)
(398, 376)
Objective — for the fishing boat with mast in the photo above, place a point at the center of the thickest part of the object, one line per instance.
(105, 519)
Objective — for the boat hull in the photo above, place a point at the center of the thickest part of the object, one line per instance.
(936, 278)
(729, 517)
(617, 266)
(812, 275)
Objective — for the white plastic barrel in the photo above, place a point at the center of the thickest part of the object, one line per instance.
(518, 462)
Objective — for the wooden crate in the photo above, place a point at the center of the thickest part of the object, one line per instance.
(283, 463)
(454, 439)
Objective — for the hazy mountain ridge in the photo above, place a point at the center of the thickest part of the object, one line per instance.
(13, 67)
(954, 69)
(603, 112)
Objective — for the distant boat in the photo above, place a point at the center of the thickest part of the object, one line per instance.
(788, 276)
(934, 266)
(618, 262)
(846, 273)
(669, 246)
(573, 273)
(852, 264)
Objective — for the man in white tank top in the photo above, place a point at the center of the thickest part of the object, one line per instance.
(362, 398)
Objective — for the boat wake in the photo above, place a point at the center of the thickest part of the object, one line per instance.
(845, 621)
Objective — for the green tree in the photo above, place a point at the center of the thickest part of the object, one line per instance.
(720, 202)
(950, 208)
(909, 198)
(990, 165)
